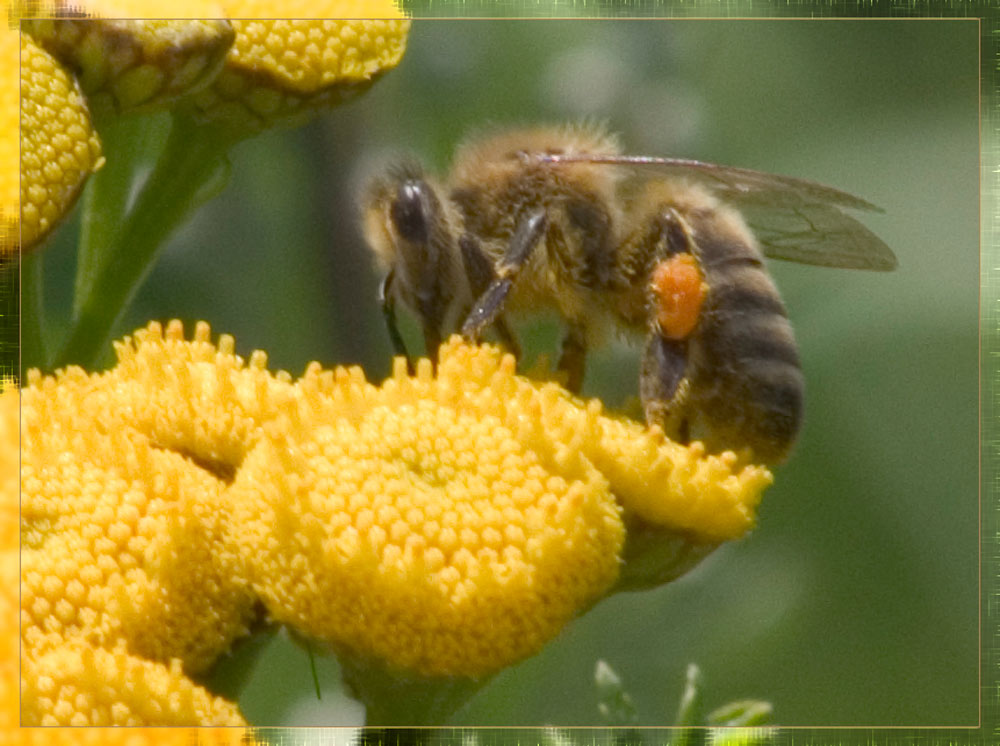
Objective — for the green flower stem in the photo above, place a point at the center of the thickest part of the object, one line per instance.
(689, 712)
(128, 140)
(194, 156)
(396, 699)
(33, 351)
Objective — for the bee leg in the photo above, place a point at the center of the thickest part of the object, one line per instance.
(663, 385)
(676, 235)
(480, 274)
(573, 358)
(388, 305)
(432, 341)
(528, 234)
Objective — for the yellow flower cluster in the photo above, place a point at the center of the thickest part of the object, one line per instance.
(278, 71)
(59, 148)
(136, 63)
(80, 684)
(77, 683)
(247, 74)
(120, 537)
(431, 522)
(444, 523)
(10, 180)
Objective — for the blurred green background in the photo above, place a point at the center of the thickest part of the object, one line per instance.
(855, 601)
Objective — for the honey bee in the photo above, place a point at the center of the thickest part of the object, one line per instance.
(672, 249)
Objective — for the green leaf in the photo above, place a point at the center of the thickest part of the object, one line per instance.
(613, 702)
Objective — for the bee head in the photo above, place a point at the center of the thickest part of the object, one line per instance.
(411, 230)
(413, 211)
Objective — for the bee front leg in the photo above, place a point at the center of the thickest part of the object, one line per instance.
(388, 305)
(528, 234)
(663, 385)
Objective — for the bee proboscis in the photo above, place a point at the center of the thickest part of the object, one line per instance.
(672, 249)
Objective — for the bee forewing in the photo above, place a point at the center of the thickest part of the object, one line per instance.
(794, 219)
(818, 234)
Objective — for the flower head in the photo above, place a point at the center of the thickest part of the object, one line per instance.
(120, 526)
(59, 148)
(81, 684)
(9, 139)
(76, 683)
(279, 71)
(447, 523)
(431, 522)
(136, 63)
(245, 75)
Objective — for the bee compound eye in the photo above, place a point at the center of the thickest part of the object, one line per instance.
(410, 211)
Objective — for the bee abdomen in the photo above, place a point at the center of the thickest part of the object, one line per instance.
(753, 386)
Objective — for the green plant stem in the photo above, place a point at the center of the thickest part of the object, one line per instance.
(33, 350)
(193, 157)
(395, 699)
(128, 140)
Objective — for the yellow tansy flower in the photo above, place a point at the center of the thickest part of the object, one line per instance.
(58, 146)
(10, 693)
(137, 63)
(431, 522)
(120, 529)
(447, 523)
(9, 136)
(79, 684)
(278, 71)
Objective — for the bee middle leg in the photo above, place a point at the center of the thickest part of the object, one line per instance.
(480, 274)
(489, 305)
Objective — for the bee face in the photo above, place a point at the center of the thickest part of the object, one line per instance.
(411, 231)
(559, 218)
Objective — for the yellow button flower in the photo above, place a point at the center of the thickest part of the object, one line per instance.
(279, 70)
(54, 681)
(431, 522)
(79, 684)
(137, 63)
(275, 72)
(120, 528)
(59, 148)
(444, 523)
(9, 139)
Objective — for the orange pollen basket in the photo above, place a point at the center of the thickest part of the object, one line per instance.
(679, 291)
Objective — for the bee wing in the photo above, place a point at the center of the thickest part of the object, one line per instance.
(817, 233)
(794, 219)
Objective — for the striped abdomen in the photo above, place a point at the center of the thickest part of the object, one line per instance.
(746, 385)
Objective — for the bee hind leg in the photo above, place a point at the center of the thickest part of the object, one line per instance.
(489, 305)
(664, 386)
